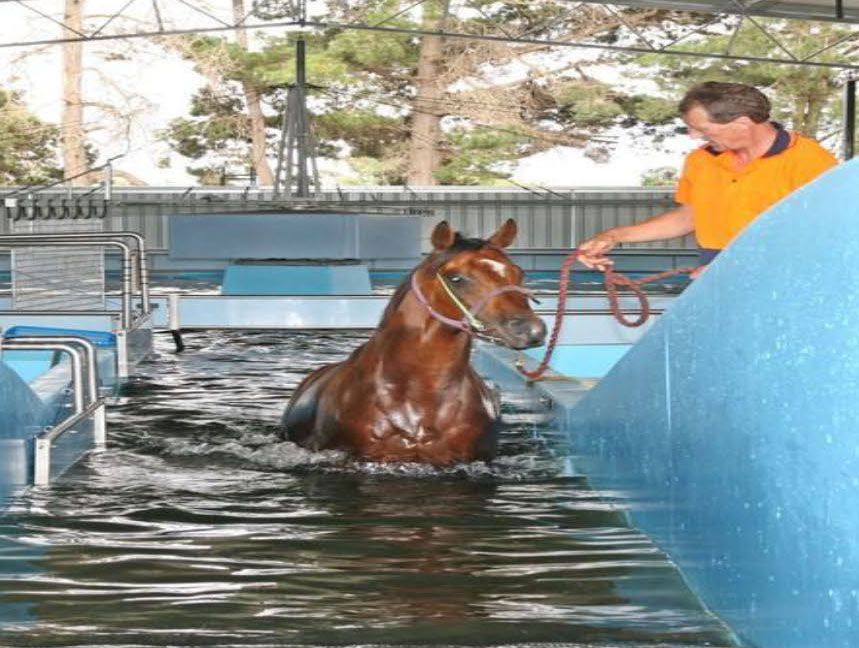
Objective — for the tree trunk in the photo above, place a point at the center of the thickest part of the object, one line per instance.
(72, 120)
(427, 112)
(252, 99)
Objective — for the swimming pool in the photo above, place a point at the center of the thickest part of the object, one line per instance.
(198, 526)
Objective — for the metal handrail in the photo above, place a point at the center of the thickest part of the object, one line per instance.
(141, 267)
(24, 240)
(85, 387)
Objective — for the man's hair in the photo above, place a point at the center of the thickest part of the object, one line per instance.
(725, 102)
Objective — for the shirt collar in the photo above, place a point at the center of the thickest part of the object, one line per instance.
(782, 141)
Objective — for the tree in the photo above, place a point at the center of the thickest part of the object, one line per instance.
(425, 110)
(805, 98)
(72, 122)
(424, 157)
(28, 146)
(254, 107)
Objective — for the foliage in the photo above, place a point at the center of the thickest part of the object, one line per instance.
(477, 156)
(368, 133)
(362, 85)
(28, 146)
(588, 102)
(805, 98)
(659, 177)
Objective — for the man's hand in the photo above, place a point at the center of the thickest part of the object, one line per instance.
(592, 253)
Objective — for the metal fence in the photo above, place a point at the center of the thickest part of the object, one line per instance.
(547, 218)
(55, 278)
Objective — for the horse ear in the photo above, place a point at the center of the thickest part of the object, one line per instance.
(442, 236)
(505, 234)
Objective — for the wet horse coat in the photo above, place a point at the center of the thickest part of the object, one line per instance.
(409, 393)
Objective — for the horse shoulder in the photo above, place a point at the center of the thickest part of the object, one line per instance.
(489, 398)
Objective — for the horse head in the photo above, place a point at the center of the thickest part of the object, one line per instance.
(472, 284)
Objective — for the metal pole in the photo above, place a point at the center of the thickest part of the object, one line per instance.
(108, 181)
(300, 86)
(849, 119)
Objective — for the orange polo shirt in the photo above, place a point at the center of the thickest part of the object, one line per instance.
(724, 200)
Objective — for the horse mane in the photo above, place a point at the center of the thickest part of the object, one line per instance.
(433, 261)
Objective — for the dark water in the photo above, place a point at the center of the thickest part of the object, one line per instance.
(198, 527)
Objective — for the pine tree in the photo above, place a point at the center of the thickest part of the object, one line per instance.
(28, 146)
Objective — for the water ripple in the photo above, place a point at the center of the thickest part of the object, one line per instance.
(198, 526)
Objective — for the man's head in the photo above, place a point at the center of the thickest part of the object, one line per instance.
(724, 114)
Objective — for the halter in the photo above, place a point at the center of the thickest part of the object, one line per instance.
(469, 322)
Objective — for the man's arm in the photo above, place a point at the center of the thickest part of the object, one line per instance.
(677, 222)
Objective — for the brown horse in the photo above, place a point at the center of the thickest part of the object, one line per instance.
(409, 392)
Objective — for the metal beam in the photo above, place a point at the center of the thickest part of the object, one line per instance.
(731, 7)
(849, 119)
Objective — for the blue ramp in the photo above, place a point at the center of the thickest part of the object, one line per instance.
(733, 425)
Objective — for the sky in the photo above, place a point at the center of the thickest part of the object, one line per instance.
(151, 85)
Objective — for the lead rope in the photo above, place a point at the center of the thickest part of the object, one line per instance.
(612, 281)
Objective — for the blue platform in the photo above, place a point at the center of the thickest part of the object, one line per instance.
(733, 425)
(249, 279)
(103, 339)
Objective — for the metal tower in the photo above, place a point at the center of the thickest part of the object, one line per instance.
(296, 155)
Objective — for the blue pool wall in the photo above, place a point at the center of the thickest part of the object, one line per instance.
(293, 236)
(731, 429)
(249, 279)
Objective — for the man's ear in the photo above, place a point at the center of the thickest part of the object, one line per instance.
(442, 236)
(505, 234)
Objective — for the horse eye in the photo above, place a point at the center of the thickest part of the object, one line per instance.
(455, 278)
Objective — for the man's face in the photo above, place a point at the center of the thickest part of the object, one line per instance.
(722, 137)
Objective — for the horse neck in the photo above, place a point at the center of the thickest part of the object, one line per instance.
(408, 334)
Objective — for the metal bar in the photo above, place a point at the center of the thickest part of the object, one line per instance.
(764, 31)
(90, 355)
(301, 131)
(108, 181)
(849, 118)
(637, 32)
(64, 426)
(111, 313)
(600, 46)
(44, 443)
(736, 33)
(840, 41)
(173, 319)
(141, 266)
(84, 385)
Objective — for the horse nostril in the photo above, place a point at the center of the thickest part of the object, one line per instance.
(538, 331)
(530, 330)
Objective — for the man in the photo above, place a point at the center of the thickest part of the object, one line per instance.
(747, 164)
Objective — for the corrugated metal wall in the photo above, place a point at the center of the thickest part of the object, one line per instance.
(547, 218)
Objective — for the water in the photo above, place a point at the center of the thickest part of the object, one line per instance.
(199, 527)
(384, 282)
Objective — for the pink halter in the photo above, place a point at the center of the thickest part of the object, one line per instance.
(469, 322)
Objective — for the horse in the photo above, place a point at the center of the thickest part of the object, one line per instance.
(409, 394)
